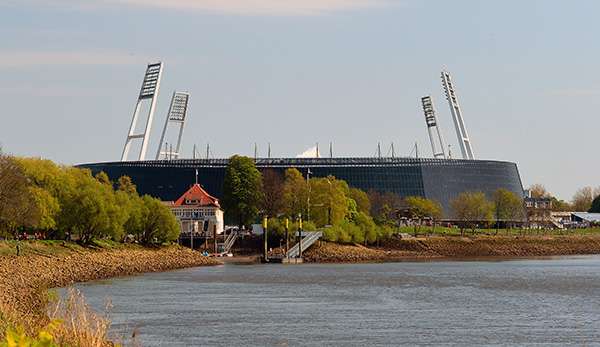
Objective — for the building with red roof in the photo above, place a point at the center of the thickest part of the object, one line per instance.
(198, 212)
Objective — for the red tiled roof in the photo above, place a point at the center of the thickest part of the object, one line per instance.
(200, 195)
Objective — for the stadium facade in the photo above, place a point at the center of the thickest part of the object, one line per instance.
(438, 179)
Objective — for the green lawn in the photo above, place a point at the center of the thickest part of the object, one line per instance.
(54, 247)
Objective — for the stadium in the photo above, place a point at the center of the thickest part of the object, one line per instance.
(440, 178)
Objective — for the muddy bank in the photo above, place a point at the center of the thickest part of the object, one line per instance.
(456, 247)
(24, 279)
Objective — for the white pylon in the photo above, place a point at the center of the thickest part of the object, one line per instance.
(177, 115)
(459, 123)
(432, 124)
(149, 90)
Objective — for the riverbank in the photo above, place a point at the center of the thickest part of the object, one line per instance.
(455, 247)
(25, 279)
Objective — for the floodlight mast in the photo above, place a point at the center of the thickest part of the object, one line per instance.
(149, 90)
(432, 125)
(177, 115)
(459, 123)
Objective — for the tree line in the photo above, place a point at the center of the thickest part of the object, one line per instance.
(344, 213)
(584, 199)
(63, 202)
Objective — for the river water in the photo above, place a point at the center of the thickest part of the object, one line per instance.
(472, 303)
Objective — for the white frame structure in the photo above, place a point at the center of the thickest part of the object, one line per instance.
(432, 125)
(149, 90)
(177, 114)
(459, 123)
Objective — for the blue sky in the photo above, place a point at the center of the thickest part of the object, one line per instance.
(296, 72)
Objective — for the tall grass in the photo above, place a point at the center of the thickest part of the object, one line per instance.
(69, 322)
(80, 325)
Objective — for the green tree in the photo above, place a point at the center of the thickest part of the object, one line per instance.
(47, 207)
(583, 198)
(560, 205)
(367, 227)
(595, 205)
(126, 185)
(471, 208)
(158, 224)
(384, 206)
(103, 178)
(127, 193)
(508, 206)
(538, 191)
(295, 193)
(363, 203)
(242, 190)
(87, 207)
(422, 208)
(272, 202)
(17, 205)
(329, 200)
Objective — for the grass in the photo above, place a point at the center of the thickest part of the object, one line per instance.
(39, 247)
(69, 322)
(56, 247)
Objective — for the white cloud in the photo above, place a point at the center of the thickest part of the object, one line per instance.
(240, 7)
(309, 153)
(16, 59)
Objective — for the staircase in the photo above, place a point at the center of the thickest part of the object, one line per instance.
(308, 238)
(229, 241)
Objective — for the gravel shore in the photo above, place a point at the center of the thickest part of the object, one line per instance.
(24, 280)
(455, 248)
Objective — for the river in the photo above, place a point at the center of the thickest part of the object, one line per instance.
(470, 303)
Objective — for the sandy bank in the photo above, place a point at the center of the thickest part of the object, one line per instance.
(24, 279)
(457, 247)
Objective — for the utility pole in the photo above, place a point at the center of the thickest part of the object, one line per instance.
(207, 149)
(194, 153)
(393, 151)
(215, 238)
(330, 149)
(269, 151)
(255, 151)
(379, 150)
(265, 240)
(317, 150)
(287, 237)
(300, 236)
(308, 173)
(191, 236)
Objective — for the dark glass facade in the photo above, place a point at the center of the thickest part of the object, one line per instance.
(438, 179)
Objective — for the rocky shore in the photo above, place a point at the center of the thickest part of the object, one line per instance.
(456, 248)
(24, 279)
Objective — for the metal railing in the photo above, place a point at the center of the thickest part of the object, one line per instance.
(310, 237)
(230, 241)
